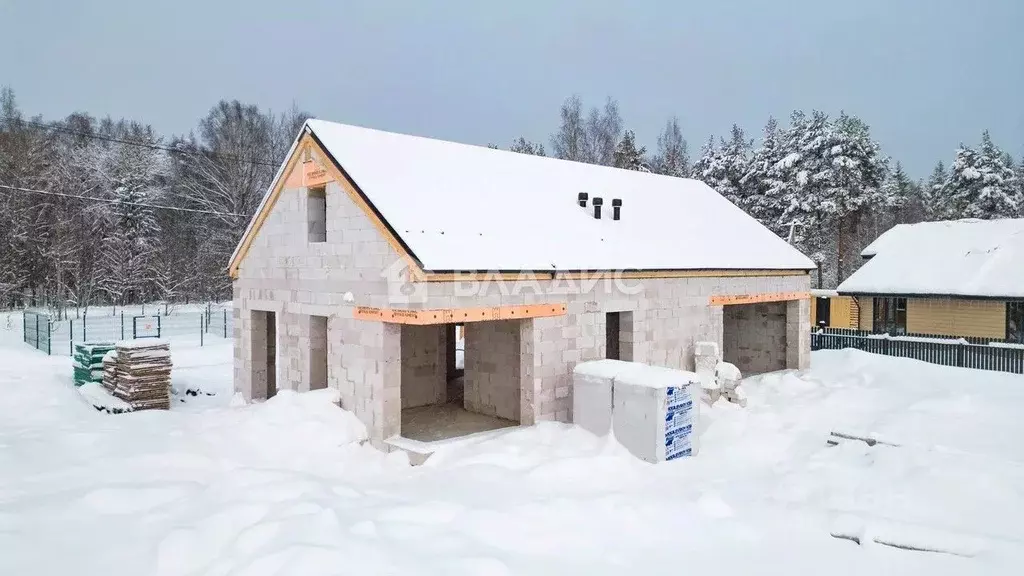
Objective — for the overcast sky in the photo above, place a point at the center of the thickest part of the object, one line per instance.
(925, 74)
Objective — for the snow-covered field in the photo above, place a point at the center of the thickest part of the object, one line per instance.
(285, 487)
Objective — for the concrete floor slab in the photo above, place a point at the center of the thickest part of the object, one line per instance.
(445, 421)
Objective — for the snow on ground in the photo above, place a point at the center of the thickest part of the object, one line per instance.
(286, 487)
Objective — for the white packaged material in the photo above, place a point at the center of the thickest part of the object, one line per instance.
(592, 394)
(706, 359)
(655, 412)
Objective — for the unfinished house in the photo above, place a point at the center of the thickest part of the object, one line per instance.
(445, 289)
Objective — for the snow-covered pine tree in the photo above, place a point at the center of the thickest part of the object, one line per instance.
(724, 167)
(628, 156)
(981, 185)
(935, 193)
(673, 158)
(763, 179)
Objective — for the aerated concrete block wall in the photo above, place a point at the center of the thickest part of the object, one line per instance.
(424, 365)
(754, 337)
(798, 337)
(493, 371)
(283, 272)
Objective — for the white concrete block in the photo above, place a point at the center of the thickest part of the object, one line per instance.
(592, 394)
(655, 412)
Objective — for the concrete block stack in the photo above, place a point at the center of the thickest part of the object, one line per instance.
(141, 374)
(729, 377)
(592, 394)
(718, 379)
(652, 410)
(706, 358)
(655, 413)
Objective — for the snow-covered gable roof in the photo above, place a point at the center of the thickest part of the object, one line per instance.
(979, 258)
(889, 237)
(461, 207)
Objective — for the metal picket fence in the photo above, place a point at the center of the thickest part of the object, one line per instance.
(191, 328)
(978, 353)
(36, 330)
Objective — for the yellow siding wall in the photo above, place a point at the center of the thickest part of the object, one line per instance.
(866, 313)
(983, 318)
(840, 309)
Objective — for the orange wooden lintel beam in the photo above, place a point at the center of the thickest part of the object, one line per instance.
(757, 298)
(457, 315)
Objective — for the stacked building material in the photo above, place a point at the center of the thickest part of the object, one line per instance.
(142, 374)
(655, 412)
(652, 411)
(110, 370)
(88, 362)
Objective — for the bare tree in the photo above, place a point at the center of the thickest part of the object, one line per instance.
(603, 133)
(570, 142)
(673, 158)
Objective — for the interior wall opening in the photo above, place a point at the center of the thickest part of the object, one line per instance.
(317, 352)
(754, 337)
(619, 336)
(459, 379)
(263, 358)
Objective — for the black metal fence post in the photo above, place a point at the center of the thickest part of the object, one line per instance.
(200, 329)
(159, 330)
(71, 337)
(225, 323)
(49, 334)
(122, 325)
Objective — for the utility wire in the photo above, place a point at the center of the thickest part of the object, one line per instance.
(112, 201)
(66, 130)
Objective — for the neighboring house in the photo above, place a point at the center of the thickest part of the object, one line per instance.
(830, 310)
(371, 247)
(955, 278)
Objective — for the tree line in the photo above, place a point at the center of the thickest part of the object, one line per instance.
(98, 211)
(822, 182)
(102, 211)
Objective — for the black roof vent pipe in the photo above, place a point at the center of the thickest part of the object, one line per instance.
(581, 199)
(616, 208)
(598, 202)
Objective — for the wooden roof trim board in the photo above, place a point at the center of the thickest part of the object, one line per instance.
(758, 298)
(457, 315)
(320, 174)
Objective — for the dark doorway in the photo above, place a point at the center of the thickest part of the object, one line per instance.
(317, 352)
(613, 328)
(271, 354)
(823, 311)
(263, 337)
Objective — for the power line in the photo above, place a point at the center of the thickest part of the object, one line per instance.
(66, 130)
(112, 201)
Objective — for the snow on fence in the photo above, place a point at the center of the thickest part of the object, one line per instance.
(978, 353)
(196, 326)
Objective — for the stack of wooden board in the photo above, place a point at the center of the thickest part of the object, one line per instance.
(88, 362)
(142, 374)
(110, 370)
